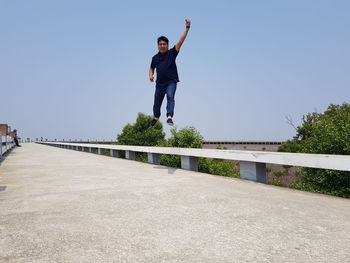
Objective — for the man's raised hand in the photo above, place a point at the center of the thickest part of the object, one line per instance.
(184, 35)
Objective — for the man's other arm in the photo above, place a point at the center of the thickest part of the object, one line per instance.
(151, 74)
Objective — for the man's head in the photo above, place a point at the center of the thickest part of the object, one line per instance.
(163, 44)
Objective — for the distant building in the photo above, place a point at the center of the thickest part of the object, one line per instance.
(269, 146)
(5, 129)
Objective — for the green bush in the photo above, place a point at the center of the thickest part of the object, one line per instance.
(278, 173)
(223, 168)
(170, 160)
(122, 155)
(278, 183)
(189, 137)
(203, 165)
(142, 157)
(141, 133)
(323, 133)
(292, 146)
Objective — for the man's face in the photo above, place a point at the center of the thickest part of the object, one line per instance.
(162, 46)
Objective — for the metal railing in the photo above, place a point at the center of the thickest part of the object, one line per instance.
(252, 163)
(6, 145)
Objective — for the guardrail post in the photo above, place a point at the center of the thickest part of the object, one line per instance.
(130, 155)
(154, 158)
(100, 151)
(114, 153)
(253, 171)
(189, 163)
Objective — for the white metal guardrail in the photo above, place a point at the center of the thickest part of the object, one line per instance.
(6, 144)
(252, 163)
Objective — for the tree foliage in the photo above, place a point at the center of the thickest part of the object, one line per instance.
(218, 167)
(323, 133)
(141, 133)
(187, 137)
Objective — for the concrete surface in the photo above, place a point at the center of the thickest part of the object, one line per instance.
(60, 205)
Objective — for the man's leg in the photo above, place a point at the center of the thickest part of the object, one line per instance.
(170, 92)
(158, 100)
(16, 142)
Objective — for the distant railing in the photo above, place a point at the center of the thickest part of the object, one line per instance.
(252, 163)
(6, 144)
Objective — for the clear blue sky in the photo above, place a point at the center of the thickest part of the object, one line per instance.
(79, 69)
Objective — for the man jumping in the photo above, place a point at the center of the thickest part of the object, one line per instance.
(167, 77)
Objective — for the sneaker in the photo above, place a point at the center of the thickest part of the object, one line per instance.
(153, 122)
(170, 121)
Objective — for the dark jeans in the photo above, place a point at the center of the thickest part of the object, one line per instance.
(16, 141)
(169, 89)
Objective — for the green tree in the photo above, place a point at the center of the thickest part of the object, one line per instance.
(292, 146)
(218, 166)
(187, 137)
(223, 168)
(141, 133)
(323, 133)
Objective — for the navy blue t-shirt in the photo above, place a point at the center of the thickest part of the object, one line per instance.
(166, 66)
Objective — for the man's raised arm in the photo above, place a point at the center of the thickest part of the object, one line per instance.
(184, 35)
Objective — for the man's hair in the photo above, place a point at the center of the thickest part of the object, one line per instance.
(163, 38)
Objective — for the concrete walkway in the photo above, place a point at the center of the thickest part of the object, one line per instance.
(60, 205)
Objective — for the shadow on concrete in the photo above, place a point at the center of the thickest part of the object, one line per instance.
(171, 170)
(2, 188)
